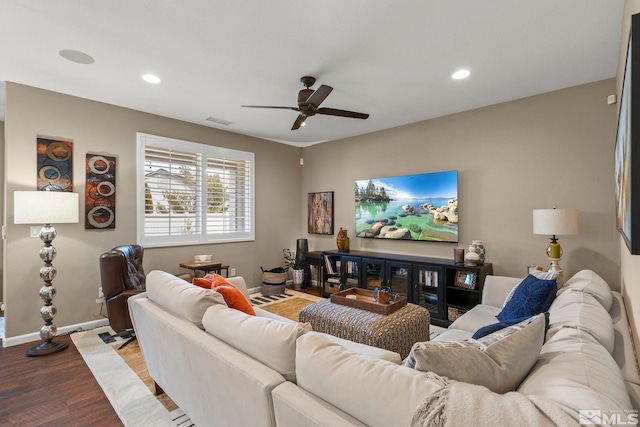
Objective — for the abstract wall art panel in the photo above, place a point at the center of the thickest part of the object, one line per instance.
(100, 192)
(320, 208)
(55, 165)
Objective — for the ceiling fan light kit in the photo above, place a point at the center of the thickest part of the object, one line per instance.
(308, 102)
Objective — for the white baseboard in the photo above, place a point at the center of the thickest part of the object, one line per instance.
(21, 339)
(289, 282)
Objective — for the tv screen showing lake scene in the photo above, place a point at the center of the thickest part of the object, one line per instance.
(413, 207)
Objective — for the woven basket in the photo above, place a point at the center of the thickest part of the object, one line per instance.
(454, 313)
(273, 283)
(269, 290)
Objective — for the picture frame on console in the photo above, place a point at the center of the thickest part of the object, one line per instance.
(627, 150)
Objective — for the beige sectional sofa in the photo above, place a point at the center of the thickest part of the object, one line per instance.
(225, 368)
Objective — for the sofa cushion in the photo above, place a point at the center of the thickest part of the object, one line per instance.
(498, 361)
(589, 282)
(266, 340)
(352, 382)
(577, 309)
(576, 371)
(531, 296)
(180, 297)
(479, 316)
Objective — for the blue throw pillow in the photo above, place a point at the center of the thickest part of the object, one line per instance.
(532, 296)
(495, 327)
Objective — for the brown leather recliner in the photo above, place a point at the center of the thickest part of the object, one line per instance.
(122, 276)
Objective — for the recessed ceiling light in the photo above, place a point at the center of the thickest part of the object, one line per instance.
(303, 124)
(461, 74)
(151, 78)
(76, 56)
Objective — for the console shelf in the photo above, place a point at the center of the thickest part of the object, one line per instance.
(445, 288)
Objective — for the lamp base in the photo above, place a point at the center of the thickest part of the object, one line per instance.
(46, 348)
(555, 264)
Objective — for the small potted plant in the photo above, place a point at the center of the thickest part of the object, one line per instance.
(290, 261)
(298, 274)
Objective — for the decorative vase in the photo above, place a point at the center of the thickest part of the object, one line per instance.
(298, 279)
(342, 241)
(476, 253)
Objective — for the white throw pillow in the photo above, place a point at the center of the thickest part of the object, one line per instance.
(499, 361)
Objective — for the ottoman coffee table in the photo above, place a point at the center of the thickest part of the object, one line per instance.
(397, 331)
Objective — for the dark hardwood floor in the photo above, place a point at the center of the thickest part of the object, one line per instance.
(54, 390)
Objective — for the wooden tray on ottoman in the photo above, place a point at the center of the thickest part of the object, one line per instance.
(364, 300)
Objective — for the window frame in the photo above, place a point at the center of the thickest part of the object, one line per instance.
(203, 151)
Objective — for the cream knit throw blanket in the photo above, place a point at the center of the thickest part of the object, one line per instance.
(461, 404)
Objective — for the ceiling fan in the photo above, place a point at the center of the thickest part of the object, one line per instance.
(309, 101)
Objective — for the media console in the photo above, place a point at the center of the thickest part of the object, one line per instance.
(445, 288)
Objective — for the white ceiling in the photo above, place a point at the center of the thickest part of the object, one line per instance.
(391, 59)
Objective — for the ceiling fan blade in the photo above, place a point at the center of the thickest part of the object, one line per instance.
(319, 95)
(341, 113)
(271, 106)
(299, 121)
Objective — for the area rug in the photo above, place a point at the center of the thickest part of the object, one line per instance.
(122, 373)
(130, 397)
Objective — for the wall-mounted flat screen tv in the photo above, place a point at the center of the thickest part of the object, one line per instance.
(420, 207)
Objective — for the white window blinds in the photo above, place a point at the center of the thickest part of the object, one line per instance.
(192, 193)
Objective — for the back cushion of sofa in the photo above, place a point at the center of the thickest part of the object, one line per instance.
(578, 309)
(180, 297)
(575, 370)
(267, 340)
(589, 282)
(353, 382)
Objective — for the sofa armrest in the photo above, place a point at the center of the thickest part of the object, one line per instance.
(238, 282)
(496, 289)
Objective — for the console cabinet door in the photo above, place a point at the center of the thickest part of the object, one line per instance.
(393, 274)
(428, 289)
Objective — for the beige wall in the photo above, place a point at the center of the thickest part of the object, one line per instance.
(102, 128)
(1, 208)
(551, 149)
(630, 264)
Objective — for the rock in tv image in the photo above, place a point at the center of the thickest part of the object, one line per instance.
(421, 207)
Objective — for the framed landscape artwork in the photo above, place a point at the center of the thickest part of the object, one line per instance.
(422, 207)
(320, 217)
(627, 159)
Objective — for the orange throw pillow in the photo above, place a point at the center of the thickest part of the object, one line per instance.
(203, 282)
(234, 298)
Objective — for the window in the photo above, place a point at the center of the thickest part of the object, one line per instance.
(190, 194)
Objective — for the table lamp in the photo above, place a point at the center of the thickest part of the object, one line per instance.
(46, 207)
(555, 222)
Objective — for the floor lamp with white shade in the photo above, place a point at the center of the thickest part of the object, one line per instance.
(46, 207)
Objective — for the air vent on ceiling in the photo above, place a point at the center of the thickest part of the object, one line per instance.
(219, 121)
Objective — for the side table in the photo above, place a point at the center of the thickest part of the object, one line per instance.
(206, 267)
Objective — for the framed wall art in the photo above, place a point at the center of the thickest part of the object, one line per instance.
(421, 207)
(320, 217)
(55, 165)
(627, 151)
(100, 192)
